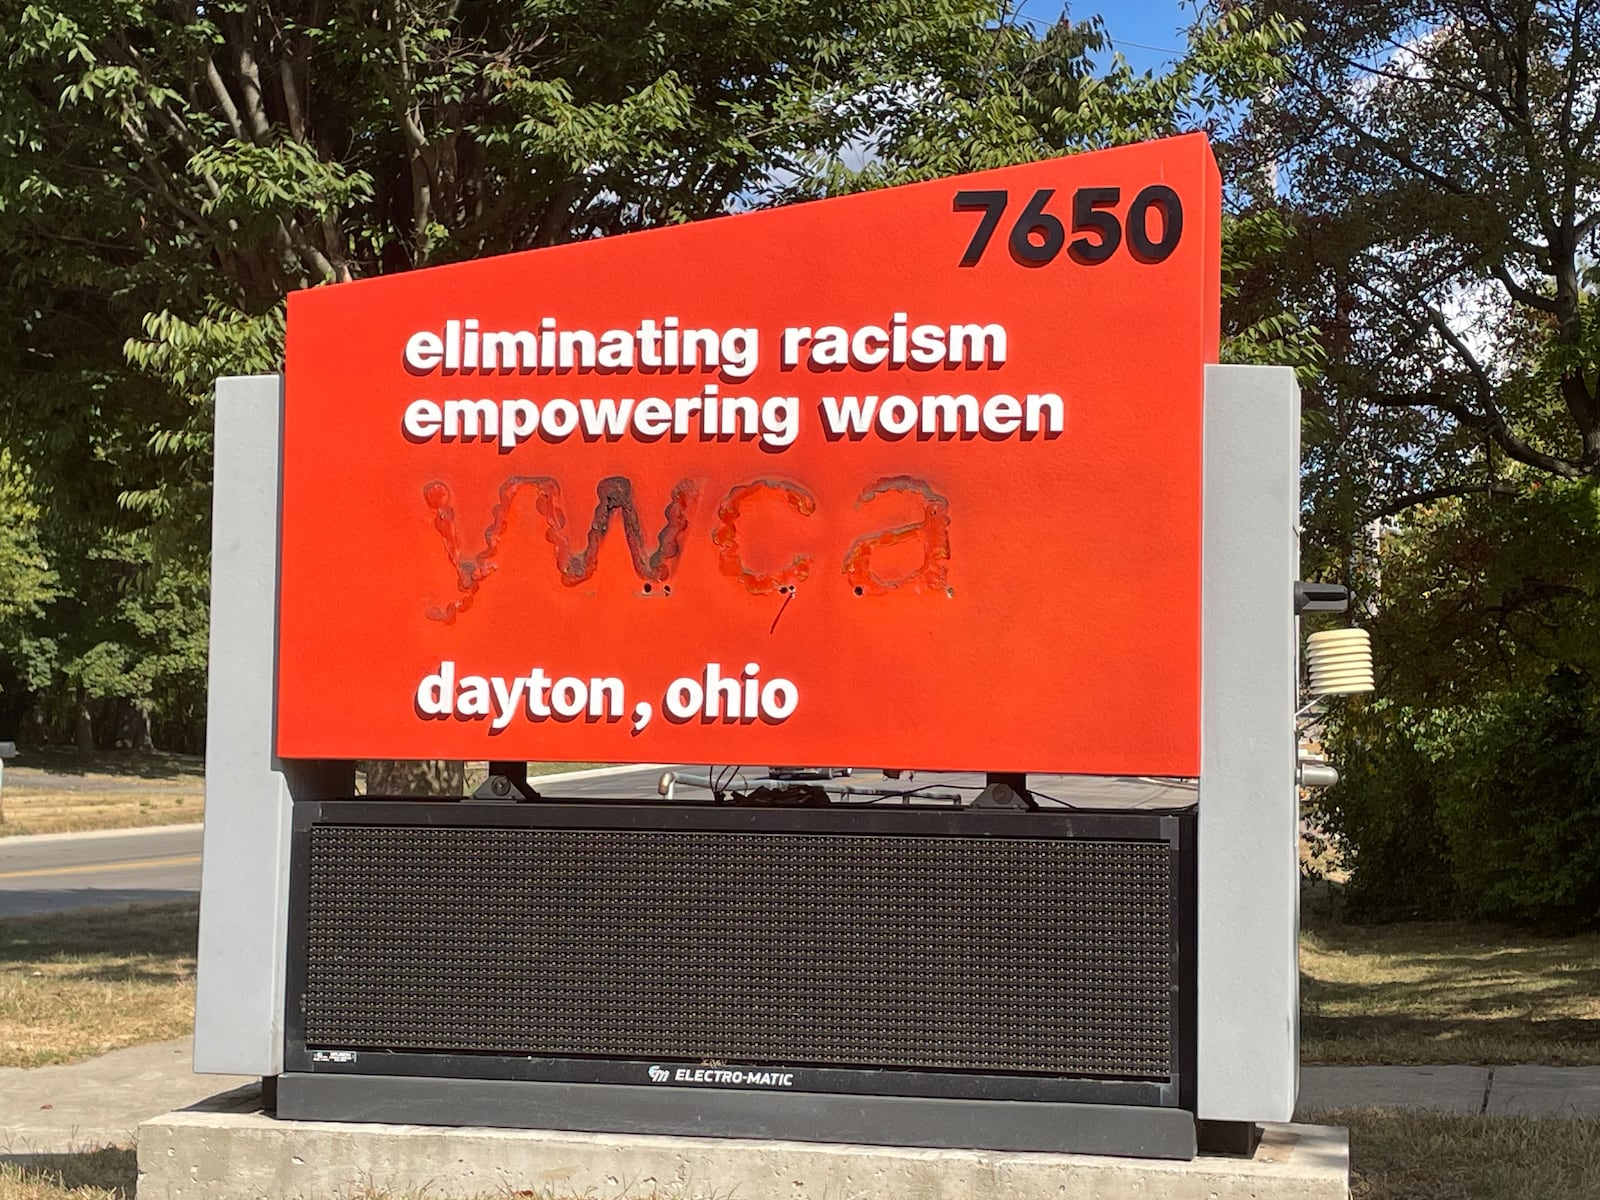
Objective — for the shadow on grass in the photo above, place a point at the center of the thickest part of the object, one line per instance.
(113, 1171)
(180, 972)
(134, 931)
(64, 760)
(1554, 1041)
(1466, 986)
(1442, 991)
(20, 905)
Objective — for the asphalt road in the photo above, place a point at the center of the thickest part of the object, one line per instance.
(76, 870)
(52, 874)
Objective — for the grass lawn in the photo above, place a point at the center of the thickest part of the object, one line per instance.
(1431, 992)
(52, 810)
(74, 985)
(52, 790)
(157, 766)
(1444, 1156)
(108, 1174)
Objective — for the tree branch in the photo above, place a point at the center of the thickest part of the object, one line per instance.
(255, 107)
(1521, 293)
(311, 257)
(1428, 496)
(417, 148)
(1443, 182)
(160, 177)
(1437, 78)
(557, 216)
(291, 99)
(1492, 424)
(219, 89)
(1479, 374)
(1569, 96)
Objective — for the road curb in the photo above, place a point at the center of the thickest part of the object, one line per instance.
(595, 772)
(35, 839)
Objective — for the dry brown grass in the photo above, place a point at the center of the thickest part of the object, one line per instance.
(52, 790)
(77, 984)
(52, 810)
(108, 1174)
(112, 1173)
(1433, 992)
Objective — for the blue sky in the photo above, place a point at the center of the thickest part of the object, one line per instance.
(1147, 32)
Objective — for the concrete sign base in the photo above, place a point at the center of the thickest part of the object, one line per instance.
(228, 1149)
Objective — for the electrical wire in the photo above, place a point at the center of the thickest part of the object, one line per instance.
(892, 798)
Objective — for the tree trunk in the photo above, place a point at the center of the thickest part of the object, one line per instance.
(406, 777)
(85, 724)
(139, 737)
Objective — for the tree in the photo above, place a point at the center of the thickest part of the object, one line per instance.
(1443, 163)
(1440, 164)
(26, 581)
(27, 584)
(1470, 782)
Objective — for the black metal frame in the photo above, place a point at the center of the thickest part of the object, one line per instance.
(1131, 1132)
(1175, 829)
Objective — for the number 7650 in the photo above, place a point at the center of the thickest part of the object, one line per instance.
(1038, 236)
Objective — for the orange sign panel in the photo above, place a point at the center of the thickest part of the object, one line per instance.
(906, 478)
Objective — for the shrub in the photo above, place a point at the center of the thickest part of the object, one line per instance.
(1489, 808)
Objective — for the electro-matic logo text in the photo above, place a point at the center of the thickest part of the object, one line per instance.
(718, 1076)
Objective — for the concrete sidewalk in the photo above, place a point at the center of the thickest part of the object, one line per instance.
(1491, 1091)
(54, 1110)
